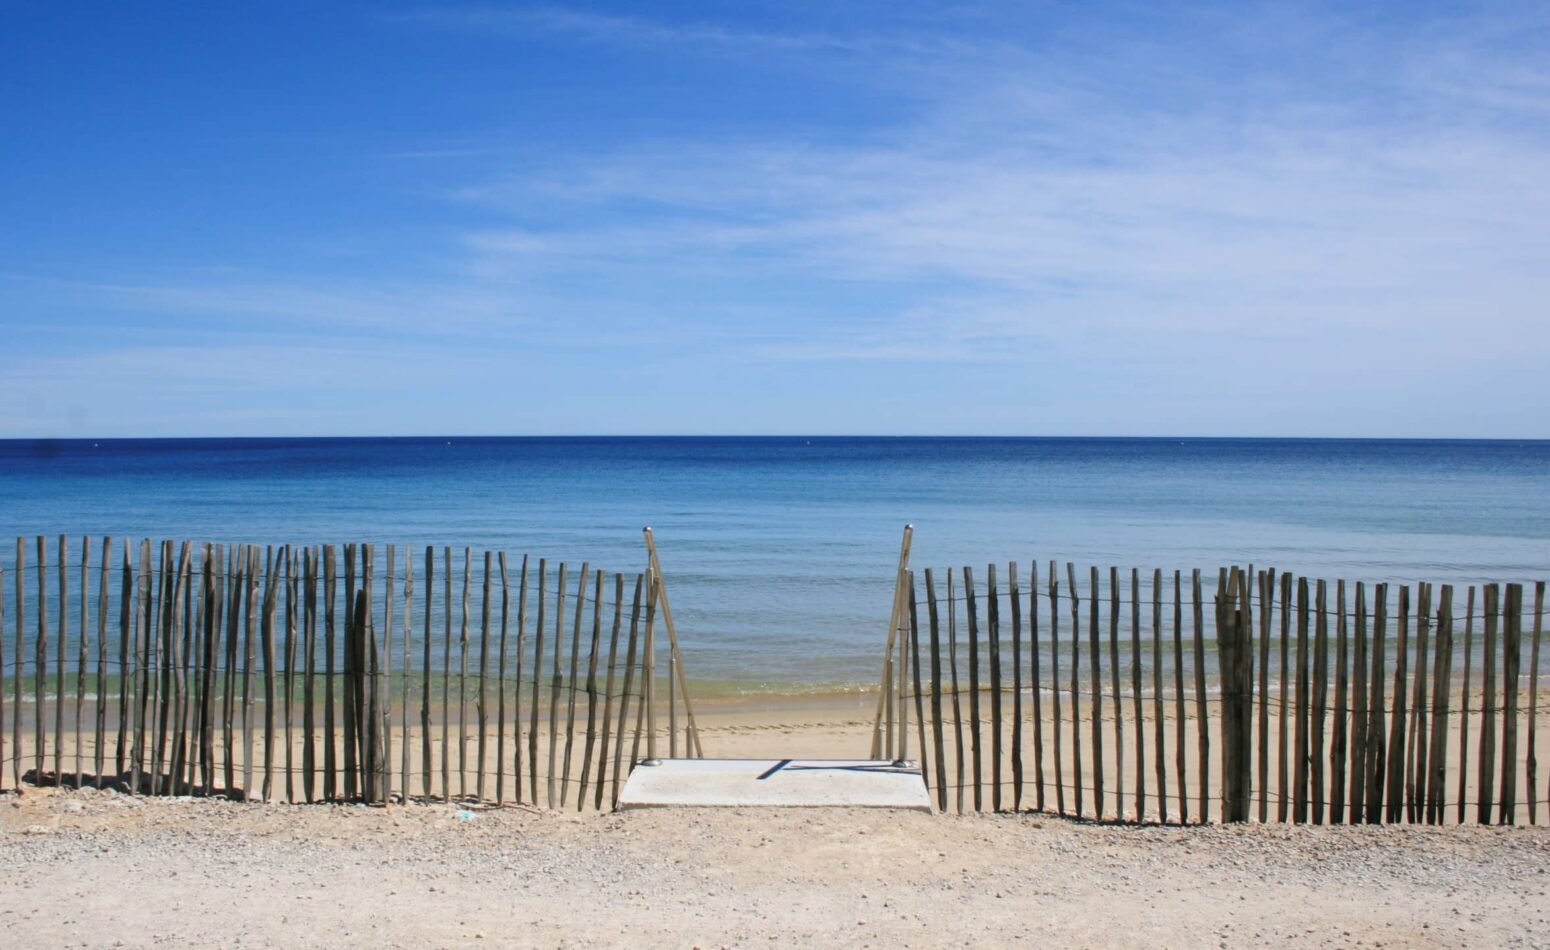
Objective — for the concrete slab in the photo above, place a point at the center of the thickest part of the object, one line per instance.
(781, 783)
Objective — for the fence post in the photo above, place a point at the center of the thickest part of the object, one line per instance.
(883, 721)
(649, 665)
(1234, 638)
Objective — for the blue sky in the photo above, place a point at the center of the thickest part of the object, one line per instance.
(1104, 219)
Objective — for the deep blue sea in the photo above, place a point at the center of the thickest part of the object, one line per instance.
(779, 552)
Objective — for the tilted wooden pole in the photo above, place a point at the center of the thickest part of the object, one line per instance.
(677, 664)
(649, 665)
(894, 619)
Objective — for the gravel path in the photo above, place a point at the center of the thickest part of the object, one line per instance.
(101, 869)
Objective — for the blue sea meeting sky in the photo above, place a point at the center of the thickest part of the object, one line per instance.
(1094, 219)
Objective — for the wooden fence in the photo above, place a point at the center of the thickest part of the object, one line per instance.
(364, 673)
(331, 673)
(1276, 697)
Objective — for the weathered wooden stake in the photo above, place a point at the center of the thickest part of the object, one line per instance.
(1076, 702)
(1469, 630)
(1054, 679)
(1395, 780)
(290, 670)
(236, 570)
(974, 686)
(952, 656)
(350, 671)
(60, 657)
(624, 695)
(405, 746)
(83, 643)
(1235, 646)
(555, 679)
(126, 588)
(936, 692)
(462, 678)
(330, 651)
(1202, 718)
(1415, 756)
(40, 669)
(271, 576)
(1512, 654)
(993, 616)
(1284, 673)
(570, 705)
(1159, 738)
(252, 611)
(516, 711)
(1014, 601)
(1135, 690)
(1034, 675)
(1178, 697)
(1531, 767)
(484, 668)
(426, 758)
(1304, 712)
(1267, 581)
(1119, 703)
(920, 711)
(1360, 712)
(1376, 749)
(1442, 687)
(1486, 781)
(592, 657)
(500, 684)
(608, 692)
(383, 683)
(309, 643)
(1095, 683)
(538, 676)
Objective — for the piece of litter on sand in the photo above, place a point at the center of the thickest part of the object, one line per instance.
(464, 814)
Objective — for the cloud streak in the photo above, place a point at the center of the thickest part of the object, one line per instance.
(526, 22)
(1323, 215)
(1214, 223)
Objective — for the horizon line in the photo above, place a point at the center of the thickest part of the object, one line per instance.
(773, 435)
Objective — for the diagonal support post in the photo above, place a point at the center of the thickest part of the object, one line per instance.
(655, 566)
(888, 699)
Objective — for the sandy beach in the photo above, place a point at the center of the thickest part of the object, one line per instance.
(94, 868)
(839, 726)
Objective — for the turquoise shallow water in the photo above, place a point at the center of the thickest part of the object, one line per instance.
(780, 551)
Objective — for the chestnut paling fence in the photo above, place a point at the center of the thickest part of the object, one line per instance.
(332, 673)
(1264, 695)
(372, 673)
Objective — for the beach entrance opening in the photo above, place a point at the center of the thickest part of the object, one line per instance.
(885, 778)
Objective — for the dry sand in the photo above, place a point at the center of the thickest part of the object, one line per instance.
(101, 868)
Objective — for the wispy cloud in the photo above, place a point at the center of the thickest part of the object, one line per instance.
(1210, 217)
(531, 21)
(1323, 217)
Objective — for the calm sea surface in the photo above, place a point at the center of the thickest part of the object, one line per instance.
(779, 552)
